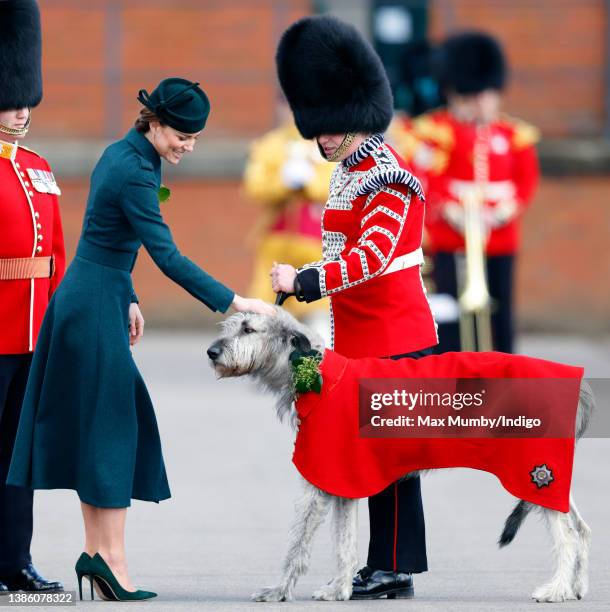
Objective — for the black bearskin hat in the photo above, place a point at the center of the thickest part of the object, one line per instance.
(20, 54)
(471, 62)
(332, 78)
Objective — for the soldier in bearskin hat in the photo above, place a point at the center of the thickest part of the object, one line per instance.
(371, 240)
(470, 146)
(31, 266)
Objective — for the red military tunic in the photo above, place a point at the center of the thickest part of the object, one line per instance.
(452, 156)
(371, 241)
(30, 226)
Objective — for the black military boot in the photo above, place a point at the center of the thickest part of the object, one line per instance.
(28, 579)
(370, 583)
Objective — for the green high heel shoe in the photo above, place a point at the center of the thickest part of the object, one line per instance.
(103, 577)
(82, 568)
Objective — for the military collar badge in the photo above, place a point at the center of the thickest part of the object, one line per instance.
(7, 150)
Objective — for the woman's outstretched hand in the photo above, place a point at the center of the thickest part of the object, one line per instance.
(136, 324)
(241, 304)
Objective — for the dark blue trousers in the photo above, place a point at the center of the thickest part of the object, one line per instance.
(16, 503)
(396, 517)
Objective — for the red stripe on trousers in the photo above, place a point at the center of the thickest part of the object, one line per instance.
(395, 522)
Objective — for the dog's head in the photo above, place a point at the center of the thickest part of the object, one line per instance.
(260, 346)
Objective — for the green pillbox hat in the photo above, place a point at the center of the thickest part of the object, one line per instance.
(179, 103)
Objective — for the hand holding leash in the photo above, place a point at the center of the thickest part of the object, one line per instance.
(282, 281)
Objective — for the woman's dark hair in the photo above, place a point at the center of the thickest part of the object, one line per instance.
(142, 123)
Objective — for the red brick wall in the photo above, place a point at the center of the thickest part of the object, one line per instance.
(562, 275)
(97, 55)
(557, 49)
(564, 268)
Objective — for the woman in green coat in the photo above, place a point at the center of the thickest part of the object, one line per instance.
(87, 421)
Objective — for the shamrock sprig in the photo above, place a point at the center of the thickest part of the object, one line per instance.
(306, 374)
(164, 194)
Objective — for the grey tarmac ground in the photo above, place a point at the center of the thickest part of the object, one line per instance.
(222, 534)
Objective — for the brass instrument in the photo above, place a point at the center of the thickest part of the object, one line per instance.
(474, 301)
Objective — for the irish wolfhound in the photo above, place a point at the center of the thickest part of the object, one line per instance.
(259, 346)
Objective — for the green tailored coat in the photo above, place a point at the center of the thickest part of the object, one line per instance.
(87, 421)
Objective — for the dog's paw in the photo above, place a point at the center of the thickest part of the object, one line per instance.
(553, 593)
(333, 591)
(275, 593)
(581, 586)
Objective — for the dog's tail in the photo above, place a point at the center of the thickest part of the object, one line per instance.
(513, 522)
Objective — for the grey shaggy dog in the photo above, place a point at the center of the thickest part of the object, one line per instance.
(259, 346)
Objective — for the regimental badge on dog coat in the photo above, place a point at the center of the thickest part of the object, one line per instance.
(331, 453)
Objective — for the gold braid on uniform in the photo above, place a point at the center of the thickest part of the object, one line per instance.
(16, 131)
(343, 147)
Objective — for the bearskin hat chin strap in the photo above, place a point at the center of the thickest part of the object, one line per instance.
(341, 149)
(5, 129)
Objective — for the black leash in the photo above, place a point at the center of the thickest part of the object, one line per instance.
(281, 297)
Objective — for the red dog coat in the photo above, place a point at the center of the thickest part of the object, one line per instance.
(331, 453)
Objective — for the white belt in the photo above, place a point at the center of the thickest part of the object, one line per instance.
(409, 260)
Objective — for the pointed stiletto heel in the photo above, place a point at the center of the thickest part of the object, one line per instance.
(80, 586)
(82, 570)
(110, 586)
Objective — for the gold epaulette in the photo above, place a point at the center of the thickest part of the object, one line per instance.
(437, 162)
(426, 127)
(524, 135)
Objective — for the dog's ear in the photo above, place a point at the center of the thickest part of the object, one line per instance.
(300, 342)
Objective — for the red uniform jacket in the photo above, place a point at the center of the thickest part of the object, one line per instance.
(331, 454)
(30, 226)
(371, 242)
(451, 156)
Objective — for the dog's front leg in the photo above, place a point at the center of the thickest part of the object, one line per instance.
(311, 508)
(345, 539)
(345, 536)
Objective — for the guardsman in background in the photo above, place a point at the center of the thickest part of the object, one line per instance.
(471, 145)
(286, 176)
(32, 261)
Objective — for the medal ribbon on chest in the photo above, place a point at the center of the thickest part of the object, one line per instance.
(43, 181)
